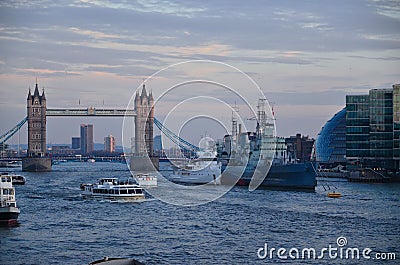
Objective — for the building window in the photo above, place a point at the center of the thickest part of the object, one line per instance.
(36, 136)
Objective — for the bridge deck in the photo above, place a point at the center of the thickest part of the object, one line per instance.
(90, 112)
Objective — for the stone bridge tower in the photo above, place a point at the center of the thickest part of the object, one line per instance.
(143, 159)
(36, 159)
(144, 121)
(36, 112)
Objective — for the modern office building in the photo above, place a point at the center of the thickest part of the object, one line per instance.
(109, 144)
(87, 144)
(76, 143)
(396, 126)
(330, 146)
(371, 129)
(357, 128)
(381, 128)
(157, 145)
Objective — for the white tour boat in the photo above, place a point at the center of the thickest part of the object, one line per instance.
(9, 211)
(111, 188)
(145, 180)
(203, 170)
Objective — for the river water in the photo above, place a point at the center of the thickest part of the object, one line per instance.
(58, 226)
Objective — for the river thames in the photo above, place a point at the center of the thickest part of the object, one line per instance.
(58, 226)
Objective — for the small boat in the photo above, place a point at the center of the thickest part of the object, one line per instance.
(112, 188)
(145, 180)
(9, 211)
(16, 179)
(91, 160)
(116, 261)
(334, 194)
(58, 161)
(14, 164)
(10, 163)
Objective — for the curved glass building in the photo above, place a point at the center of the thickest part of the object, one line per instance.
(330, 146)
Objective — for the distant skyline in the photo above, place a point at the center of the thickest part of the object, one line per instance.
(305, 55)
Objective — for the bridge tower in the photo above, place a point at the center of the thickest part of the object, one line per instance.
(36, 159)
(36, 112)
(144, 121)
(143, 159)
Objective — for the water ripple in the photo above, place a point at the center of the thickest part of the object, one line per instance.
(58, 226)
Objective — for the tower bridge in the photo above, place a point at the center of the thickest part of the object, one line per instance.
(37, 113)
(143, 112)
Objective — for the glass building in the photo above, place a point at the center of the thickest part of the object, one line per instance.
(372, 129)
(357, 128)
(330, 146)
(396, 126)
(381, 128)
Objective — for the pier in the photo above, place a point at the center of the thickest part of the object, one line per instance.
(368, 175)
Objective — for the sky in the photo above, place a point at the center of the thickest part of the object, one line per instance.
(304, 55)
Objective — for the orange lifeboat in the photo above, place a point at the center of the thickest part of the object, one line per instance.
(334, 194)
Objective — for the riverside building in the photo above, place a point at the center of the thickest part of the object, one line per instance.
(330, 146)
(372, 129)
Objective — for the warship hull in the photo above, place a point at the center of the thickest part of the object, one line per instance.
(301, 176)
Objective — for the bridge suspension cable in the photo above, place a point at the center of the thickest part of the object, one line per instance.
(182, 143)
(8, 134)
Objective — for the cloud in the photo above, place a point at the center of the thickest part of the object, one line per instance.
(289, 25)
(389, 8)
(303, 52)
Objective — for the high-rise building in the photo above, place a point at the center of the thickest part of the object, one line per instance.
(109, 144)
(87, 144)
(371, 129)
(76, 142)
(157, 144)
(381, 128)
(357, 128)
(396, 126)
